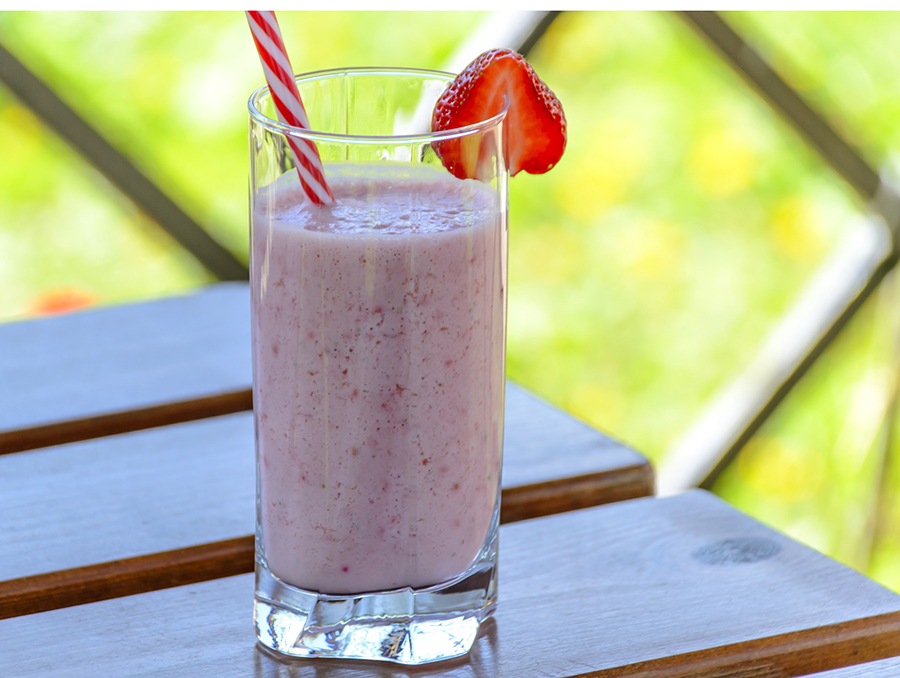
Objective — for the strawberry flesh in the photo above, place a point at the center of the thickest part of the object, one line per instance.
(535, 122)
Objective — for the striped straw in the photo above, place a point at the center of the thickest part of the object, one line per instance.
(279, 76)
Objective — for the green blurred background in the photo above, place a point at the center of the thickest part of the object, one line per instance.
(644, 270)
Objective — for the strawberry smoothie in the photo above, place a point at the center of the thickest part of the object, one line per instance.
(378, 376)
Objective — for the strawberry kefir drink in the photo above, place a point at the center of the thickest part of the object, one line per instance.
(379, 389)
(378, 287)
(379, 346)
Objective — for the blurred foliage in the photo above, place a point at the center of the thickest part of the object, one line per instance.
(845, 64)
(644, 270)
(684, 218)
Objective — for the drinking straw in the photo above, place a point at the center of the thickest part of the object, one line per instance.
(280, 77)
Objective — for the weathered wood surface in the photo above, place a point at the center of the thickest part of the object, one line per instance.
(127, 368)
(886, 668)
(124, 368)
(175, 504)
(683, 586)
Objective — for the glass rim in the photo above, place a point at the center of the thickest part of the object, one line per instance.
(315, 135)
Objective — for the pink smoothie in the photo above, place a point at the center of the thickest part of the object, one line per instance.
(378, 377)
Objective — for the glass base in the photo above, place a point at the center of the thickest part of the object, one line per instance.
(406, 626)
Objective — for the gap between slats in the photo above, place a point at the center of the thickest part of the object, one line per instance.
(141, 574)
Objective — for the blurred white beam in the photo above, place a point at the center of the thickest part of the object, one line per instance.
(512, 30)
(738, 409)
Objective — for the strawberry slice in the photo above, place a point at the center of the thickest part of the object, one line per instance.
(535, 123)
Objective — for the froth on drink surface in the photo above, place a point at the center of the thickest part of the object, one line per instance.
(378, 388)
(393, 200)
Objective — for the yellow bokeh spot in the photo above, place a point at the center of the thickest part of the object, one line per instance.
(150, 86)
(722, 162)
(20, 132)
(572, 44)
(650, 248)
(603, 169)
(778, 469)
(597, 404)
(555, 254)
(794, 229)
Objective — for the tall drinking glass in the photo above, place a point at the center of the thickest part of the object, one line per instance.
(378, 372)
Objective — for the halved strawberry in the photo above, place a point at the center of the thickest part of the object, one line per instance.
(535, 123)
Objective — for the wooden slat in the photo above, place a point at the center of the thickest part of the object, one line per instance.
(676, 587)
(172, 505)
(139, 366)
(554, 463)
(125, 577)
(887, 668)
(124, 368)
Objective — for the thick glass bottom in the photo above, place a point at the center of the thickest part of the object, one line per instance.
(406, 626)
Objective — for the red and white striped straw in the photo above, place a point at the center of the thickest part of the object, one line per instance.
(280, 77)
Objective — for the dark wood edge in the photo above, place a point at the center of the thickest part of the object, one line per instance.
(792, 654)
(126, 577)
(141, 574)
(570, 494)
(125, 422)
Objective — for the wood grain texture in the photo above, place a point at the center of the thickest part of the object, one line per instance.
(172, 505)
(682, 586)
(887, 668)
(124, 368)
(138, 366)
(117, 578)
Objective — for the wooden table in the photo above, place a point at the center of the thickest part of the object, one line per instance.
(168, 503)
(126, 501)
(683, 586)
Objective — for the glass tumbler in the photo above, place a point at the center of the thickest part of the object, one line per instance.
(379, 328)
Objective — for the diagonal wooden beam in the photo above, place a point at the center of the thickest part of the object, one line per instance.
(810, 124)
(120, 171)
